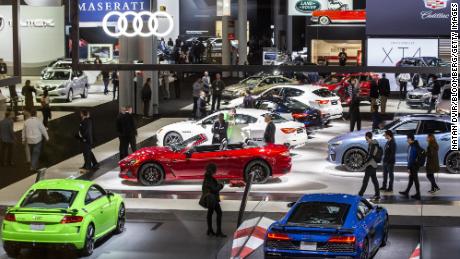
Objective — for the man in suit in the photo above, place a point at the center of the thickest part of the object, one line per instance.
(85, 135)
(269, 135)
(127, 131)
(6, 139)
(384, 90)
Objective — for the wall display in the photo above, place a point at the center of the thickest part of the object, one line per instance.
(306, 7)
(408, 17)
(38, 27)
(103, 51)
(325, 17)
(388, 52)
(327, 51)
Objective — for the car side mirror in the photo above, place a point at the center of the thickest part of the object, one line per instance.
(291, 204)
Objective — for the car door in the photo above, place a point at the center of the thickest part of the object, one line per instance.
(96, 205)
(192, 163)
(400, 132)
(369, 221)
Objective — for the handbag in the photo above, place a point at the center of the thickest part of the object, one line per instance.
(204, 200)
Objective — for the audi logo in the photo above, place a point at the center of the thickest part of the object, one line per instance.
(138, 24)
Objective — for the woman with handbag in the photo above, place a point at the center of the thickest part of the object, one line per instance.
(432, 162)
(210, 199)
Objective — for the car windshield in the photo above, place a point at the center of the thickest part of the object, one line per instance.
(49, 199)
(295, 105)
(57, 75)
(193, 141)
(251, 80)
(323, 93)
(409, 62)
(446, 95)
(276, 118)
(319, 213)
(63, 65)
(333, 80)
(391, 124)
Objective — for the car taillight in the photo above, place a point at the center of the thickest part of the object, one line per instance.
(322, 101)
(288, 130)
(342, 239)
(10, 217)
(71, 219)
(278, 236)
(299, 115)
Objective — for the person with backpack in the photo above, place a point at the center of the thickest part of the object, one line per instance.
(389, 159)
(432, 162)
(374, 156)
(415, 159)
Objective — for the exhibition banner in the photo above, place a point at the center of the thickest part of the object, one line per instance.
(408, 17)
(306, 7)
(93, 11)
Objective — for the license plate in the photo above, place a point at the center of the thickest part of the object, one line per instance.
(308, 246)
(37, 226)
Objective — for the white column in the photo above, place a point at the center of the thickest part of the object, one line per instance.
(128, 53)
(242, 31)
(225, 44)
(153, 44)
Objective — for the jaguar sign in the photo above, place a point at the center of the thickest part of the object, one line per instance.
(306, 6)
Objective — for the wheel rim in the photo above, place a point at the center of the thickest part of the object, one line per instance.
(89, 240)
(152, 175)
(365, 252)
(324, 20)
(259, 172)
(121, 218)
(355, 159)
(453, 162)
(172, 138)
(70, 95)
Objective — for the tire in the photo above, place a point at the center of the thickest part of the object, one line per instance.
(453, 162)
(88, 249)
(11, 251)
(324, 20)
(121, 219)
(353, 160)
(171, 138)
(70, 96)
(261, 171)
(151, 174)
(84, 95)
(365, 252)
(386, 229)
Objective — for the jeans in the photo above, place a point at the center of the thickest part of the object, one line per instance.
(388, 169)
(6, 153)
(125, 142)
(432, 181)
(370, 173)
(35, 150)
(216, 98)
(106, 85)
(383, 103)
(218, 211)
(403, 90)
(46, 116)
(413, 178)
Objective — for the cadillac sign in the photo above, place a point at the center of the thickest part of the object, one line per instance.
(307, 6)
(435, 4)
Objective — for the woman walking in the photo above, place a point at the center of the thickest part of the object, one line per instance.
(432, 162)
(211, 200)
(46, 110)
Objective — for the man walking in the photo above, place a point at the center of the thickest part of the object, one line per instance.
(389, 159)
(354, 112)
(32, 135)
(146, 95)
(384, 90)
(371, 167)
(127, 131)
(6, 140)
(28, 91)
(106, 81)
(403, 78)
(116, 84)
(217, 87)
(196, 92)
(413, 166)
(269, 134)
(85, 135)
(374, 94)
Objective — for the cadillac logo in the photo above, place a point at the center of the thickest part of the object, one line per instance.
(2, 22)
(435, 4)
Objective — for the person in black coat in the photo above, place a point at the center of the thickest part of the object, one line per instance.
(355, 114)
(384, 91)
(374, 94)
(269, 134)
(85, 135)
(127, 131)
(435, 91)
(116, 84)
(219, 130)
(210, 198)
(146, 96)
(389, 159)
(376, 118)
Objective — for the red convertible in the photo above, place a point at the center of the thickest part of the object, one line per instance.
(187, 161)
(325, 17)
(338, 84)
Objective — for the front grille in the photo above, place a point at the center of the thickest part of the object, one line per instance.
(415, 96)
(336, 247)
(283, 244)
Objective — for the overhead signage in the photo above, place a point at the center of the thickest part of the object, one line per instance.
(306, 7)
(94, 11)
(408, 17)
(152, 29)
(32, 23)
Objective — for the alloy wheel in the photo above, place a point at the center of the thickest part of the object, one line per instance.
(324, 20)
(171, 139)
(70, 96)
(152, 175)
(260, 173)
(453, 163)
(354, 159)
(90, 240)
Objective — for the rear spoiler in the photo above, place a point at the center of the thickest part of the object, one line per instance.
(302, 229)
(66, 211)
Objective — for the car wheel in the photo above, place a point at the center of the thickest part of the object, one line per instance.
(324, 20)
(260, 169)
(172, 138)
(453, 162)
(11, 251)
(353, 160)
(70, 96)
(89, 242)
(84, 95)
(386, 229)
(151, 174)
(121, 219)
(365, 250)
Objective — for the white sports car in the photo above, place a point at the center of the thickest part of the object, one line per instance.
(315, 96)
(249, 121)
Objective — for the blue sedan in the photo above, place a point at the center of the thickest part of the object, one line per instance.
(328, 226)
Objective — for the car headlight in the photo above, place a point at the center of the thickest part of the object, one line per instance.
(61, 86)
(335, 144)
(131, 162)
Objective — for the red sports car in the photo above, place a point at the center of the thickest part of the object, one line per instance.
(338, 84)
(325, 17)
(187, 161)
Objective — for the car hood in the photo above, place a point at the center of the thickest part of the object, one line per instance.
(351, 135)
(235, 87)
(419, 91)
(51, 82)
(146, 152)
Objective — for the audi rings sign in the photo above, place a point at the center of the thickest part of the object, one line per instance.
(121, 21)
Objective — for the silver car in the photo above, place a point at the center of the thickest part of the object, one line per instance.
(421, 97)
(63, 84)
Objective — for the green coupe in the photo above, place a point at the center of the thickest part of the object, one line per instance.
(62, 213)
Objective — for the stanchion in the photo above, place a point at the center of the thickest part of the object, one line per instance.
(245, 198)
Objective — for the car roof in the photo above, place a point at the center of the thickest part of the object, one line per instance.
(445, 118)
(300, 87)
(60, 69)
(63, 184)
(331, 197)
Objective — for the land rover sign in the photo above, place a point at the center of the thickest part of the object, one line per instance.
(306, 7)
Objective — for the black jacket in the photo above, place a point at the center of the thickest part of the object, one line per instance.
(376, 120)
(354, 108)
(219, 131)
(384, 87)
(126, 125)
(436, 88)
(211, 189)
(146, 93)
(374, 90)
(85, 131)
(389, 152)
(269, 135)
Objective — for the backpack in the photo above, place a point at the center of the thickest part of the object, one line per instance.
(421, 157)
(378, 156)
